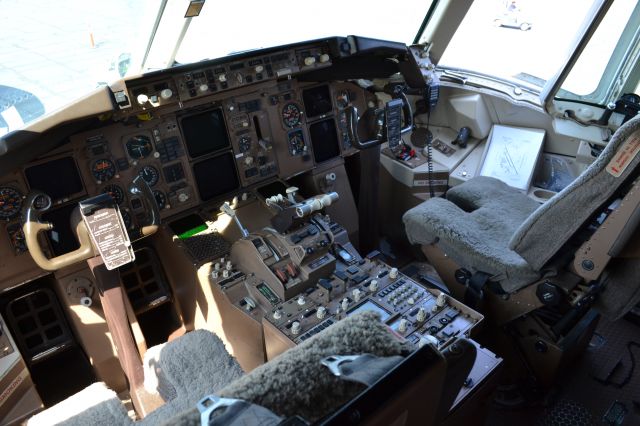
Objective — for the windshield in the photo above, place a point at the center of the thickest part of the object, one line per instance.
(217, 32)
(525, 41)
(54, 52)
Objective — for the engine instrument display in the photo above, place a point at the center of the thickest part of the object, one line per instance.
(150, 175)
(139, 146)
(103, 170)
(317, 101)
(216, 176)
(10, 202)
(291, 115)
(115, 191)
(324, 139)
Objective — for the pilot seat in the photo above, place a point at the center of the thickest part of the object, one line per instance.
(497, 247)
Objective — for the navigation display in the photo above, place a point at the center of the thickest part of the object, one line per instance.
(216, 176)
(205, 133)
(58, 179)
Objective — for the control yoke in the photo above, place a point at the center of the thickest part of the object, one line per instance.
(39, 202)
(388, 122)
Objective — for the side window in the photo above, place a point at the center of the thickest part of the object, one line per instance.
(608, 59)
(525, 41)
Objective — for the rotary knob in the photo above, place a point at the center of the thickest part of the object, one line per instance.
(277, 315)
(225, 273)
(357, 295)
(324, 58)
(301, 300)
(411, 301)
(248, 160)
(309, 60)
(203, 88)
(373, 286)
(322, 312)
(441, 300)
(166, 94)
(258, 69)
(222, 78)
(215, 275)
(229, 265)
(216, 267)
(422, 315)
(182, 197)
(402, 327)
(295, 328)
(393, 273)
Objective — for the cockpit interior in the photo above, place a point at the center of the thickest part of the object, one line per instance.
(336, 230)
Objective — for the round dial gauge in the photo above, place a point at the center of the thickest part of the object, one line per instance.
(150, 175)
(103, 170)
(139, 146)
(115, 191)
(10, 202)
(291, 115)
(161, 199)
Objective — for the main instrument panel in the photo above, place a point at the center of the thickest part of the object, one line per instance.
(201, 135)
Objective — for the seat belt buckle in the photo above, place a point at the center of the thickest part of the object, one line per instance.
(334, 362)
(215, 410)
(210, 403)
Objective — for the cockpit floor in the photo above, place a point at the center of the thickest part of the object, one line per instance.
(602, 388)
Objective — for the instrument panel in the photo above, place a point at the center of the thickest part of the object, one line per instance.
(211, 147)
